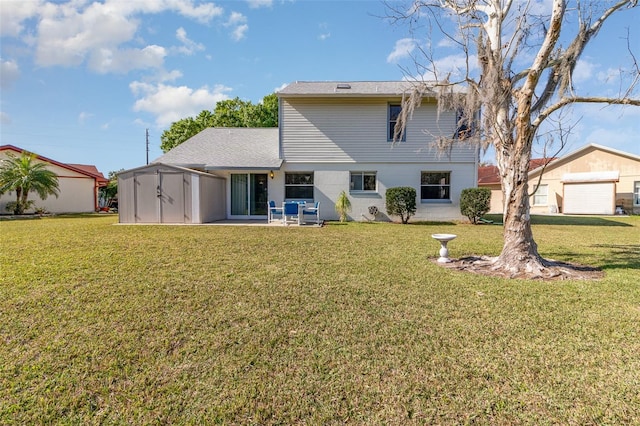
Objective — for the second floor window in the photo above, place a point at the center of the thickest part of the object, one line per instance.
(362, 181)
(394, 113)
(298, 186)
(435, 186)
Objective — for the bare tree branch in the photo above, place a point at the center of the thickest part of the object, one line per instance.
(585, 100)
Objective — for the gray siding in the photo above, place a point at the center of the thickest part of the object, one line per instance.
(355, 130)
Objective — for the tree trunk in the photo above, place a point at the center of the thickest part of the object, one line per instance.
(519, 252)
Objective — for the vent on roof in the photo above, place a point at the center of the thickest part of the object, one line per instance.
(343, 86)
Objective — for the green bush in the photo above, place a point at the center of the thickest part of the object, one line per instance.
(475, 203)
(401, 201)
(19, 207)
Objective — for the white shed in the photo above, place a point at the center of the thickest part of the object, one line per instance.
(161, 193)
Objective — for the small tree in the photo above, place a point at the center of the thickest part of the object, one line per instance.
(475, 203)
(401, 201)
(23, 175)
(343, 206)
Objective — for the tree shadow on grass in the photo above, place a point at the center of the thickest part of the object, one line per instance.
(622, 256)
(565, 220)
(618, 256)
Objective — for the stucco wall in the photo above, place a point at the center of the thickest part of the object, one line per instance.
(331, 179)
(77, 192)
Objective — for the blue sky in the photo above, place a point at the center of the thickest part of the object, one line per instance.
(83, 80)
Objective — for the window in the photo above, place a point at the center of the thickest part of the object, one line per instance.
(394, 113)
(362, 181)
(463, 130)
(636, 193)
(435, 186)
(540, 196)
(298, 186)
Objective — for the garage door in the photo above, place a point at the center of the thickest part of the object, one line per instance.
(589, 198)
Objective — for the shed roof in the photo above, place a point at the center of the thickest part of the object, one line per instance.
(218, 148)
(348, 88)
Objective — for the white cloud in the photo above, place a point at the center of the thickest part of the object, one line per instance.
(14, 13)
(239, 23)
(172, 103)
(455, 65)
(125, 60)
(324, 36)
(189, 47)
(97, 33)
(239, 32)
(84, 116)
(403, 49)
(277, 89)
(583, 71)
(9, 73)
(255, 4)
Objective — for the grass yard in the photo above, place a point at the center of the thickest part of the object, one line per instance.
(347, 324)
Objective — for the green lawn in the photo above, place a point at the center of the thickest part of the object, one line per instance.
(350, 323)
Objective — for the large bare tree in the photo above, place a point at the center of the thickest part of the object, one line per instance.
(520, 59)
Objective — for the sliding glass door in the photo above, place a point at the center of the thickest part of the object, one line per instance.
(249, 194)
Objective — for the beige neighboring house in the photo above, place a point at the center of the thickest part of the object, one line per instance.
(78, 185)
(593, 180)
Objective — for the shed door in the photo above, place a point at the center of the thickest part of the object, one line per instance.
(146, 199)
(589, 198)
(172, 208)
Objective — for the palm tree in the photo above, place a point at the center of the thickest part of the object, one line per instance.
(23, 175)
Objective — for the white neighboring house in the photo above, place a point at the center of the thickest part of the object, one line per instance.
(78, 186)
(332, 137)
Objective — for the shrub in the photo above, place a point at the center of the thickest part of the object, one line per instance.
(343, 206)
(401, 201)
(474, 203)
(19, 207)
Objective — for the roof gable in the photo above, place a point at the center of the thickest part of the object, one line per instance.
(585, 150)
(85, 169)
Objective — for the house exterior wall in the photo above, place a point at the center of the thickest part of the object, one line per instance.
(496, 205)
(355, 130)
(591, 160)
(335, 136)
(77, 192)
(595, 160)
(331, 179)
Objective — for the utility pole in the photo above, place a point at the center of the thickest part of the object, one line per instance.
(147, 133)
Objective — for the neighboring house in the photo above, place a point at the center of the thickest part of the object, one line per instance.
(78, 186)
(591, 180)
(332, 137)
(489, 177)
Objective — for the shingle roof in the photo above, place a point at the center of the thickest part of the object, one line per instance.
(84, 169)
(489, 175)
(219, 148)
(347, 88)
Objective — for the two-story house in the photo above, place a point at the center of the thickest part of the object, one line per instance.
(332, 137)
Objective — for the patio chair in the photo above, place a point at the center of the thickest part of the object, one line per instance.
(273, 211)
(290, 211)
(313, 211)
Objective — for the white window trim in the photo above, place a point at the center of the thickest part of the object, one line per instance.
(636, 193)
(435, 200)
(363, 191)
(545, 195)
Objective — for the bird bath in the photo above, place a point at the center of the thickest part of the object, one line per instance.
(444, 251)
